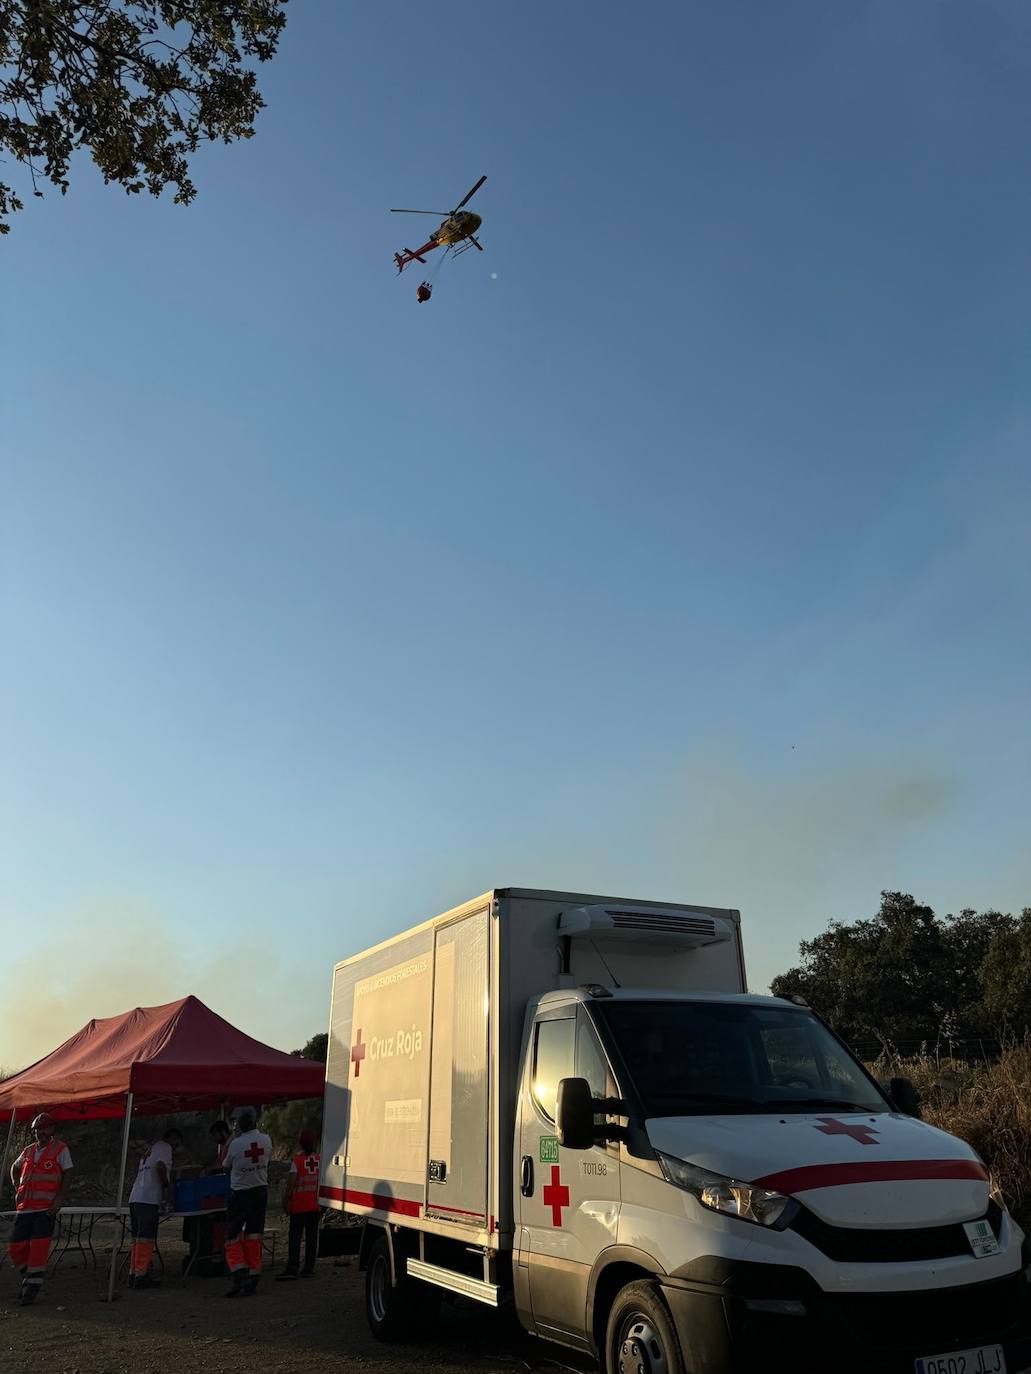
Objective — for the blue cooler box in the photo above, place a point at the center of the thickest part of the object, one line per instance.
(202, 1194)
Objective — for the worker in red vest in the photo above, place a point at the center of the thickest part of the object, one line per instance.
(301, 1203)
(41, 1175)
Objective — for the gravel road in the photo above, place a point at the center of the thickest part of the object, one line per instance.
(313, 1326)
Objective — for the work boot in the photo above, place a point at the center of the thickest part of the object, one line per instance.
(286, 1274)
(145, 1281)
(251, 1286)
(29, 1294)
(307, 1273)
(240, 1277)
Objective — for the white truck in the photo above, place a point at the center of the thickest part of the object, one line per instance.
(571, 1105)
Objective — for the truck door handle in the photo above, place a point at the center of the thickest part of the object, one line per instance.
(526, 1176)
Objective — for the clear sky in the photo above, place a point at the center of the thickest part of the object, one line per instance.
(677, 549)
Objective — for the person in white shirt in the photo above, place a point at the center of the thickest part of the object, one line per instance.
(151, 1190)
(246, 1161)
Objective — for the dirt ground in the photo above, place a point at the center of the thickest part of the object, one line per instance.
(313, 1326)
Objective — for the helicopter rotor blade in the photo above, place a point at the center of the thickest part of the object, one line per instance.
(419, 212)
(469, 194)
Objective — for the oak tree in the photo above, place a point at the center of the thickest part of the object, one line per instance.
(139, 84)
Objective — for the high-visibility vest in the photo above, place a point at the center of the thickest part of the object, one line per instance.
(40, 1179)
(305, 1196)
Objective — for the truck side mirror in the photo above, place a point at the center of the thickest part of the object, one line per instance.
(575, 1114)
(905, 1096)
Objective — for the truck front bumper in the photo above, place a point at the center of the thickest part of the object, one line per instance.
(744, 1317)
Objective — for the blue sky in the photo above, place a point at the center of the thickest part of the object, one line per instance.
(676, 549)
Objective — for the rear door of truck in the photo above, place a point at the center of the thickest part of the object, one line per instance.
(459, 1145)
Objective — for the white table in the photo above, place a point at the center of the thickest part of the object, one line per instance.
(74, 1231)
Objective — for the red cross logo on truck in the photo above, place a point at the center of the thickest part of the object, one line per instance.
(866, 1135)
(255, 1152)
(358, 1053)
(556, 1195)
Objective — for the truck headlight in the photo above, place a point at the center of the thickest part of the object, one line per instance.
(728, 1195)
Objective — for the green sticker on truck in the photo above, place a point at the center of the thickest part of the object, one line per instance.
(549, 1149)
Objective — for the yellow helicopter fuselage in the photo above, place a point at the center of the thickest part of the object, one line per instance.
(458, 227)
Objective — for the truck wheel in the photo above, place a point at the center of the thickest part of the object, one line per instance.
(639, 1337)
(385, 1306)
(397, 1313)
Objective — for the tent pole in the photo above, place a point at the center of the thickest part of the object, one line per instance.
(7, 1151)
(116, 1246)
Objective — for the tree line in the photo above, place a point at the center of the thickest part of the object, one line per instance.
(907, 977)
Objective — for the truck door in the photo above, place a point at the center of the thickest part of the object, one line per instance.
(569, 1199)
(456, 1188)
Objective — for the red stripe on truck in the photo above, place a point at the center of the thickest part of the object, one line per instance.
(874, 1171)
(377, 1202)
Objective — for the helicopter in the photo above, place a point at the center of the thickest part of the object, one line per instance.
(458, 231)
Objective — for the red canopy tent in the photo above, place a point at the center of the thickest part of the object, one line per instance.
(177, 1058)
(154, 1060)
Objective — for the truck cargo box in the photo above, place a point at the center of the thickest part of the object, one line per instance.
(425, 1039)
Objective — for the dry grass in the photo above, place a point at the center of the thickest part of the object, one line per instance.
(985, 1103)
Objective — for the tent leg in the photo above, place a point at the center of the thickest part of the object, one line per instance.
(7, 1151)
(116, 1245)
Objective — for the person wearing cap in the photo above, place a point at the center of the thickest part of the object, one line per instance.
(151, 1191)
(41, 1175)
(301, 1203)
(247, 1160)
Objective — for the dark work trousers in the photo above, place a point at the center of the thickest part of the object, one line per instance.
(143, 1220)
(245, 1223)
(246, 1213)
(304, 1224)
(29, 1246)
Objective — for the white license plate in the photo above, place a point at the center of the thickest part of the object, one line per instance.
(983, 1359)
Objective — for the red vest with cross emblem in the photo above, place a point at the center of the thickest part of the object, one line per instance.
(40, 1179)
(305, 1196)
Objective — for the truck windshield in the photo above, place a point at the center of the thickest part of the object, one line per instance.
(695, 1058)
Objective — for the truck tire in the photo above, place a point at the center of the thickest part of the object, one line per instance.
(640, 1337)
(396, 1312)
(385, 1306)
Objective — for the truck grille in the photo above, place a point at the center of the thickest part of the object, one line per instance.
(852, 1245)
(936, 1318)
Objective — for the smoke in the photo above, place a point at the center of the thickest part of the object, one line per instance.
(792, 841)
(111, 956)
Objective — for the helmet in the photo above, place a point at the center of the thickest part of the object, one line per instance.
(43, 1122)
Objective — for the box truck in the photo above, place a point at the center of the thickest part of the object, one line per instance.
(570, 1105)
